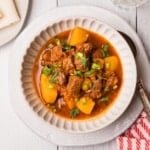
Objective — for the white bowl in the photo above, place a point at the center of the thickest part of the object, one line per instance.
(129, 75)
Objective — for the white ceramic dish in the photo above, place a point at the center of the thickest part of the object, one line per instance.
(10, 32)
(36, 123)
(129, 74)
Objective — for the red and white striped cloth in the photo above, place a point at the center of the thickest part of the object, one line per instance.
(137, 137)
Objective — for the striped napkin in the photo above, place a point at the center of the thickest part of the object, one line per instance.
(137, 137)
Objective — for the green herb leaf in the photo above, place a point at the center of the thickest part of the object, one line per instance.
(47, 70)
(99, 77)
(104, 99)
(58, 41)
(56, 65)
(84, 61)
(74, 112)
(106, 89)
(53, 77)
(89, 73)
(105, 47)
(49, 45)
(78, 55)
(66, 47)
(77, 73)
(105, 52)
(90, 85)
(96, 66)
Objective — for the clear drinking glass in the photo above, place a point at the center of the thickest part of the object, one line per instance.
(128, 3)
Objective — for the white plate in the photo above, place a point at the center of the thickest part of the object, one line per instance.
(10, 32)
(34, 122)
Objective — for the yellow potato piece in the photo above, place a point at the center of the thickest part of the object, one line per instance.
(48, 90)
(85, 105)
(77, 36)
(111, 63)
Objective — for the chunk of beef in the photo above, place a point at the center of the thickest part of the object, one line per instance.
(79, 64)
(71, 52)
(68, 65)
(46, 63)
(111, 80)
(61, 78)
(46, 56)
(96, 90)
(56, 53)
(74, 86)
(85, 49)
(96, 54)
(61, 89)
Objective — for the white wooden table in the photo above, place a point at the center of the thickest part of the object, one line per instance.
(14, 135)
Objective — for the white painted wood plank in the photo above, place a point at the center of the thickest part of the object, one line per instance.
(14, 135)
(109, 146)
(128, 15)
(143, 25)
(38, 7)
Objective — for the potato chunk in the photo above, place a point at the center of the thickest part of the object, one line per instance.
(48, 90)
(78, 36)
(111, 63)
(85, 105)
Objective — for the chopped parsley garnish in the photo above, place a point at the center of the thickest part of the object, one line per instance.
(104, 99)
(96, 66)
(74, 112)
(106, 89)
(66, 47)
(89, 73)
(47, 70)
(56, 65)
(99, 77)
(49, 46)
(84, 61)
(78, 55)
(58, 41)
(104, 50)
(77, 73)
(53, 77)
